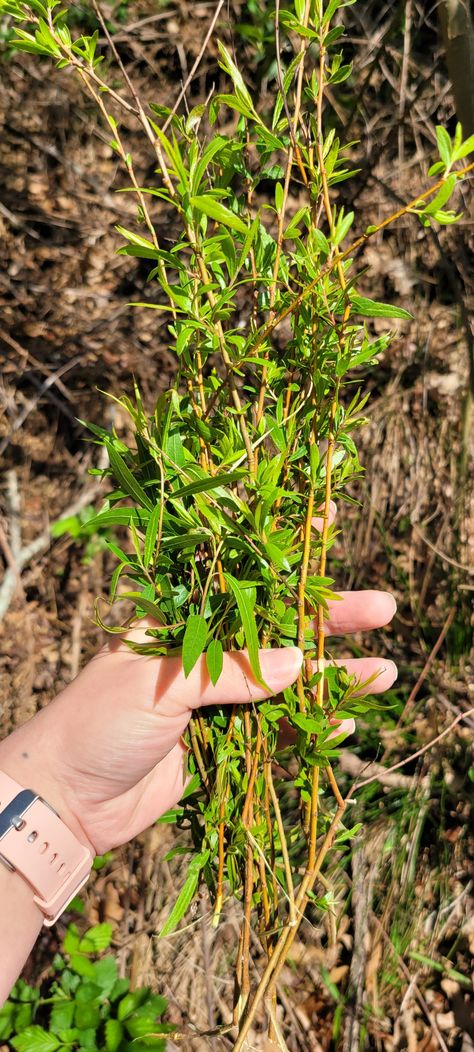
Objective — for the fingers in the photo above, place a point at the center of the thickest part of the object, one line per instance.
(385, 672)
(236, 685)
(318, 520)
(342, 728)
(359, 612)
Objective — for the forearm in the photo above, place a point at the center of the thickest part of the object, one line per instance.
(20, 924)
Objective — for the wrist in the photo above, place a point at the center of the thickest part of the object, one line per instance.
(28, 756)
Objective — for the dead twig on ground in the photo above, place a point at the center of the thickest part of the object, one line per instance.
(413, 756)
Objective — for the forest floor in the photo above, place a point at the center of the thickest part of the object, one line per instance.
(396, 957)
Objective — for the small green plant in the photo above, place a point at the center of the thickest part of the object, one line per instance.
(223, 480)
(84, 1004)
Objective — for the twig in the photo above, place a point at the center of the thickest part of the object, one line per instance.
(20, 223)
(413, 756)
(404, 80)
(14, 512)
(424, 672)
(11, 544)
(353, 765)
(195, 65)
(442, 555)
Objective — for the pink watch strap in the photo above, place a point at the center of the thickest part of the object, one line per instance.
(39, 846)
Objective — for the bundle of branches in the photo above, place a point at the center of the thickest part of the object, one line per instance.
(221, 485)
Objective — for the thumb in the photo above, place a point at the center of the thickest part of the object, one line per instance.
(236, 684)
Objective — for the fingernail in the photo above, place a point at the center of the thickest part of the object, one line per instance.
(392, 669)
(281, 666)
(333, 506)
(394, 601)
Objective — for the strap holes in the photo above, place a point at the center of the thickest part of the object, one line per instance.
(61, 867)
(32, 837)
(44, 847)
(53, 859)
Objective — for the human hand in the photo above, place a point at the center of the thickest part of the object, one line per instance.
(108, 751)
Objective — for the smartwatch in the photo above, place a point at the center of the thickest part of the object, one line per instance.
(35, 843)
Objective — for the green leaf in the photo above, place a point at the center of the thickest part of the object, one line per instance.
(71, 939)
(435, 169)
(215, 210)
(62, 1016)
(105, 974)
(81, 965)
(113, 1035)
(214, 660)
(186, 894)
(444, 145)
(96, 939)
(131, 1002)
(210, 482)
(151, 535)
(227, 63)
(249, 626)
(233, 102)
(443, 195)
(143, 1024)
(148, 248)
(465, 148)
(371, 309)
(86, 1016)
(150, 608)
(35, 1039)
(195, 638)
(119, 517)
(6, 1015)
(127, 481)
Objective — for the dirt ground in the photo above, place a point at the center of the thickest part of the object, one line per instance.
(67, 333)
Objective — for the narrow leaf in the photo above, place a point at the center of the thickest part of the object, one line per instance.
(214, 660)
(249, 626)
(186, 894)
(371, 309)
(215, 210)
(444, 144)
(128, 481)
(443, 195)
(151, 534)
(145, 604)
(210, 482)
(465, 148)
(195, 638)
